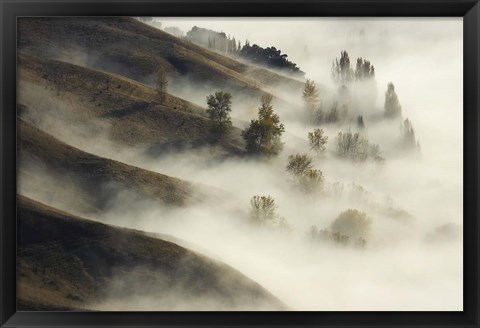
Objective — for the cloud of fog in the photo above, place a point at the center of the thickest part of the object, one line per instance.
(400, 269)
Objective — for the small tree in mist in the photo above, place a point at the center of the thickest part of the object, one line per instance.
(310, 98)
(219, 108)
(307, 178)
(263, 136)
(352, 223)
(342, 72)
(354, 147)
(392, 105)
(409, 141)
(360, 123)
(263, 212)
(161, 85)
(317, 140)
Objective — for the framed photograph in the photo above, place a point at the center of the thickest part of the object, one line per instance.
(238, 163)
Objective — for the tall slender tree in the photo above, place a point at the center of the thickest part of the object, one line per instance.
(310, 98)
(392, 105)
(161, 84)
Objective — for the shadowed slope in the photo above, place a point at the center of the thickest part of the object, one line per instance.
(60, 94)
(137, 50)
(65, 262)
(48, 165)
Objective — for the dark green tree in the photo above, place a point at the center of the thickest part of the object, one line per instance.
(219, 108)
(263, 136)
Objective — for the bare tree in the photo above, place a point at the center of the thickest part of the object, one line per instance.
(161, 85)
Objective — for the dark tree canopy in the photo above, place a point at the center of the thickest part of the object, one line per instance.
(270, 57)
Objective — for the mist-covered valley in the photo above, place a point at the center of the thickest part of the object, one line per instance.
(330, 188)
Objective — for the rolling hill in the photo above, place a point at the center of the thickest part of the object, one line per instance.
(58, 94)
(69, 263)
(136, 50)
(49, 165)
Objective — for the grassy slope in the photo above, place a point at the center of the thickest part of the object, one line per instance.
(130, 111)
(99, 180)
(122, 44)
(65, 262)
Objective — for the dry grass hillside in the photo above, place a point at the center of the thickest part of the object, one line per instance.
(93, 181)
(61, 94)
(136, 50)
(65, 262)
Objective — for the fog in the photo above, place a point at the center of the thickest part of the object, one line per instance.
(406, 264)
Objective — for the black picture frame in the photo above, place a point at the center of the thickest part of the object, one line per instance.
(468, 9)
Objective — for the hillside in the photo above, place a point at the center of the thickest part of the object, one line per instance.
(136, 50)
(58, 94)
(65, 262)
(49, 165)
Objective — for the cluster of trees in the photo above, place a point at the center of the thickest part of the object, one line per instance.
(333, 115)
(355, 147)
(343, 73)
(351, 227)
(314, 109)
(270, 57)
(218, 41)
(307, 178)
(263, 212)
(263, 135)
(393, 110)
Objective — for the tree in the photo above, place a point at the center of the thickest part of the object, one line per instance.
(360, 123)
(317, 141)
(354, 147)
(219, 108)
(299, 164)
(263, 136)
(310, 97)
(408, 136)
(306, 177)
(352, 223)
(392, 105)
(263, 212)
(342, 72)
(262, 208)
(161, 85)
